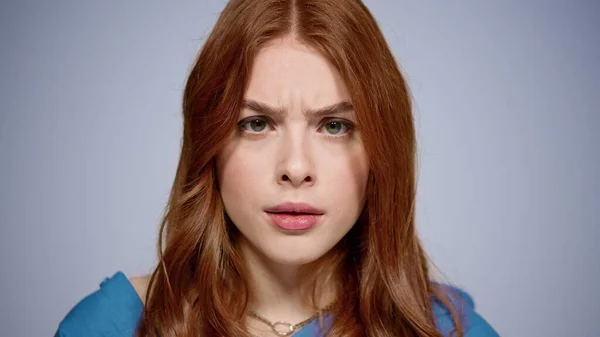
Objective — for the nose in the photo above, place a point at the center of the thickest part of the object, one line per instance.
(296, 167)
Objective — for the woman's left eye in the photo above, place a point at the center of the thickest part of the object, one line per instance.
(336, 127)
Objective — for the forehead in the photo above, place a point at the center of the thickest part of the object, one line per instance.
(287, 72)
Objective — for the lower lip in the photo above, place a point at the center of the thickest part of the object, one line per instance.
(294, 222)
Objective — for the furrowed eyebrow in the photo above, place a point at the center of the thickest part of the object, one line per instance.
(262, 108)
(334, 109)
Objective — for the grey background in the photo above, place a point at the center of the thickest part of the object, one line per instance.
(507, 113)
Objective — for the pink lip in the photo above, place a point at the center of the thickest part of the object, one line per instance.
(294, 216)
(293, 207)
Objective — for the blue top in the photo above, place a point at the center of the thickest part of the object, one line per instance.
(114, 311)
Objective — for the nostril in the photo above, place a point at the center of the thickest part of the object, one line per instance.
(287, 178)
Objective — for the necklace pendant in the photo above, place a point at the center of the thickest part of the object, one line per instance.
(283, 328)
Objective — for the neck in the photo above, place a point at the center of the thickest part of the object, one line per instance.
(277, 291)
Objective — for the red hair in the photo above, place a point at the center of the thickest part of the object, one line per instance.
(199, 287)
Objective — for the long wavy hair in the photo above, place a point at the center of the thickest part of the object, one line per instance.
(199, 286)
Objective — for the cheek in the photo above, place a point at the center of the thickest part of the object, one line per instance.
(346, 177)
(238, 176)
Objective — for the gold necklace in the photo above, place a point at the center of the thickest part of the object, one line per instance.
(284, 328)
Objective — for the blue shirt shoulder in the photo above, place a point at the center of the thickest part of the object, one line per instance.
(112, 311)
(473, 324)
(115, 309)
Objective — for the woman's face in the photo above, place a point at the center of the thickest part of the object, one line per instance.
(293, 175)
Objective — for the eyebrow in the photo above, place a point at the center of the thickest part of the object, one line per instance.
(263, 108)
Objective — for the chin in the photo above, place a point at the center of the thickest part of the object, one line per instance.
(296, 260)
(294, 257)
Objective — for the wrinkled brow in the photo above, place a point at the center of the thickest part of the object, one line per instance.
(334, 109)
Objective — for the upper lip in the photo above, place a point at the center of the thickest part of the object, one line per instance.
(294, 207)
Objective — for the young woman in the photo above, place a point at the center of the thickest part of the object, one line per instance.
(292, 211)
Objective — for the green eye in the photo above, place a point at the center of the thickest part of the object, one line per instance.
(254, 125)
(336, 127)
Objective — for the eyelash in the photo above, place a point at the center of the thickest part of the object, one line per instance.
(345, 123)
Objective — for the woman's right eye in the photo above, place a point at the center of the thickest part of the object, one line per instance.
(254, 125)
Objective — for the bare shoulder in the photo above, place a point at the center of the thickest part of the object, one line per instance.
(140, 284)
